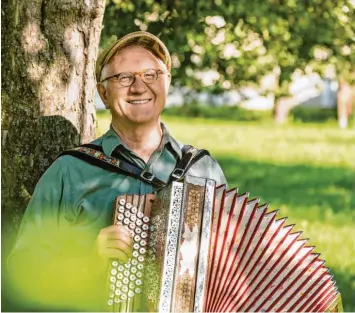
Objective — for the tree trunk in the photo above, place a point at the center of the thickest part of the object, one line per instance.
(345, 103)
(282, 107)
(49, 50)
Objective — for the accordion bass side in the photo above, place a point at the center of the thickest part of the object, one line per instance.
(202, 248)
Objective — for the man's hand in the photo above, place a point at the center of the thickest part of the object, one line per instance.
(114, 242)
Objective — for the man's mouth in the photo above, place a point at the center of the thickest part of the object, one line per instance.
(139, 101)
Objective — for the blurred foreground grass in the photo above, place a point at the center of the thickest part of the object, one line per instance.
(306, 171)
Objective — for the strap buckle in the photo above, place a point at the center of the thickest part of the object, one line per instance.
(178, 173)
(148, 177)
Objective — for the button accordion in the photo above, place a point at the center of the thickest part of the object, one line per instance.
(199, 247)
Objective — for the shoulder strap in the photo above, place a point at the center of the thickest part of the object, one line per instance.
(94, 155)
(190, 156)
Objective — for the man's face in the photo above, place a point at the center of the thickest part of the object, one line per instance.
(140, 103)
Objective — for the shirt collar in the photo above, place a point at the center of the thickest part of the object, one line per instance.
(111, 141)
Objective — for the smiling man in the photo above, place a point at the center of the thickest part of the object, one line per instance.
(59, 261)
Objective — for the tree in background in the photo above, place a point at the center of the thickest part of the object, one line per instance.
(48, 50)
(224, 45)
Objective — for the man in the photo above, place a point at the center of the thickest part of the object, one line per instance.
(59, 261)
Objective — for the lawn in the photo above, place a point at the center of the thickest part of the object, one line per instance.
(307, 171)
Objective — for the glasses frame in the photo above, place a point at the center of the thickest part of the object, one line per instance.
(158, 72)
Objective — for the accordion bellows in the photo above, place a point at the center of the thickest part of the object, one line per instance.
(202, 248)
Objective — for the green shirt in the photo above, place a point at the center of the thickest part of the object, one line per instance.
(71, 203)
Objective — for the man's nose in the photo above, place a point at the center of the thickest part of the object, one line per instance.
(138, 85)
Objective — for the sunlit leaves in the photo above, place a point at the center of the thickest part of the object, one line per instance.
(250, 37)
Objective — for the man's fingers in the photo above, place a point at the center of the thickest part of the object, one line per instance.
(115, 232)
(120, 245)
(115, 254)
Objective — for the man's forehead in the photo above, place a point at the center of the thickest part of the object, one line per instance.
(134, 56)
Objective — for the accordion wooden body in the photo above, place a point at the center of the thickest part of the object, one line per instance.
(199, 247)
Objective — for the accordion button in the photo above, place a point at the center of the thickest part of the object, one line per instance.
(114, 272)
(120, 217)
(120, 268)
(140, 214)
(142, 251)
(140, 266)
(112, 279)
(139, 274)
(129, 206)
(118, 284)
(145, 227)
(145, 219)
(135, 254)
(131, 231)
(112, 287)
(138, 230)
(132, 277)
(114, 263)
(138, 290)
(134, 209)
(144, 234)
(133, 218)
(122, 201)
(137, 238)
(126, 273)
(127, 265)
(118, 292)
(133, 269)
(127, 214)
(125, 281)
(121, 209)
(111, 295)
(131, 285)
(140, 259)
(124, 297)
(134, 262)
(124, 289)
(119, 276)
(117, 300)
(143, 243)
(138, 282)
(110, 302)
(139, 222)
(126, 221)
(136, 246)
(130, 294)
(132, 226)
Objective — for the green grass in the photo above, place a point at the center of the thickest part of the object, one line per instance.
(307, 171)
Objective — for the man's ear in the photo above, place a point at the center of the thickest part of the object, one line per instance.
(103, 94)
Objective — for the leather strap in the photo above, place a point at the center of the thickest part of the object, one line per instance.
(94, 155)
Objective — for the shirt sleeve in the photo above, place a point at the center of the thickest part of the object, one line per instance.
(41, 267)
(216, 172)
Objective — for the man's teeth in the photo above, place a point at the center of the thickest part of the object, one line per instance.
(138, 101)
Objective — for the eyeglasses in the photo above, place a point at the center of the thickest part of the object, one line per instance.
(126, 79)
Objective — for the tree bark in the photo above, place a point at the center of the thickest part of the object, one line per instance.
(49, 49)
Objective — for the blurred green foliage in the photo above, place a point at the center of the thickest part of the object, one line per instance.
(310, 114)
(224, 112)
(242, 41)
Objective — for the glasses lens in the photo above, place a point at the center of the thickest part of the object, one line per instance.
(126, 79)
(150, 75)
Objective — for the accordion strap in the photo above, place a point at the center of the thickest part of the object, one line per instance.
(94, 155)
(190, 155)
